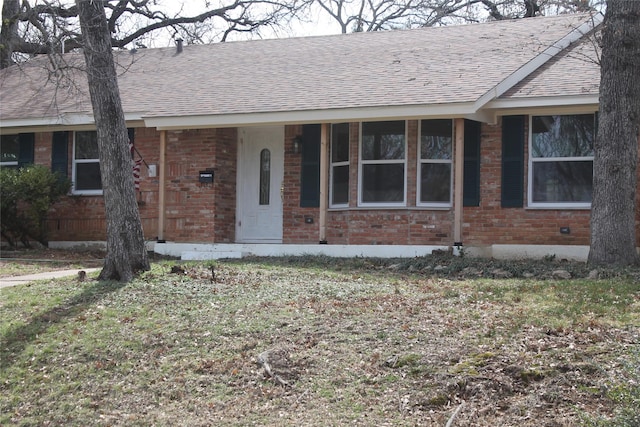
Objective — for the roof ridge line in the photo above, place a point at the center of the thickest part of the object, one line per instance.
(543, 57)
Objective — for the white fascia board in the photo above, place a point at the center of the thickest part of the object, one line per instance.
(484, 116)
(545, 105)
(541, 105)
(543, 101)
(312, 116)
(74, 119)
(65, 121)
(528, 68)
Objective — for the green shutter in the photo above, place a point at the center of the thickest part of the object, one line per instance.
(471, 189)
(310, 167)
(513, 161)
(59, 152)
(26, 149)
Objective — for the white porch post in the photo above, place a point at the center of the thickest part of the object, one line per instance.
(324, 180)
(161, 185)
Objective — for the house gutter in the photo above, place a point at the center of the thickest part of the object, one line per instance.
(64, 121)
(574, 103)
(161, 186)
(458, 182)
(329, 115)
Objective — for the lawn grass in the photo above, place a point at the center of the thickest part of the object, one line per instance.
(25, 267)
(25, 261)
(364, 344)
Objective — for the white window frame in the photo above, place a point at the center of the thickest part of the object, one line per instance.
(74, 172)
(422, 161)
(362, 162)
(531, 161)
(334, 165)
(13, 164)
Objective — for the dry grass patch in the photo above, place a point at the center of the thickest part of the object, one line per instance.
(30, 261)
(311, 343)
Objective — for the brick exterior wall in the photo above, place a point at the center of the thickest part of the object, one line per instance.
(491, 224)
(202, 213)
(400, 226)
(79, 218)
(42, 149)
(295, 229)
(357, 226)
(194, 212)
(484, 225)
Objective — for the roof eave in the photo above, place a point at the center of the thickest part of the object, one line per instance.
(336, 115)
(66, 121)
(572, 103)
(539, 60)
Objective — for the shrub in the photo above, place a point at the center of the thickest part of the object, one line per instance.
(26, 195)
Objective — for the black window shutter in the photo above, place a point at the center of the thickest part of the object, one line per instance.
(59, 150)
(132, 135)
(471, 182)
(513, 161)
(310, 167)
(26, 149)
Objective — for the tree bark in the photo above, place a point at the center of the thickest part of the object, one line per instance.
(613, 210)
(9, 32)
(531, 8)
(126, 251)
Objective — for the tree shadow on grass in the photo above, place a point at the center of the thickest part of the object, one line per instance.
(14, 342)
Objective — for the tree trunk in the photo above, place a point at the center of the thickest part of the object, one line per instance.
(531, 7)
(9, 32)
(613, 233)
(126, 251)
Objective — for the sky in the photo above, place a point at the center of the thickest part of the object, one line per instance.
(315, 27)
(318, 24)
(194, 7)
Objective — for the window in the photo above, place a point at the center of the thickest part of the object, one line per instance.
(435, 163)
(9, 150)
(382, 163)
(17, 150)
(339, 165)
(265, 177)
(561, 160)
(86, 164)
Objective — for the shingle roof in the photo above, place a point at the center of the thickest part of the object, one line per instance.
(430, 66)
(573, 72)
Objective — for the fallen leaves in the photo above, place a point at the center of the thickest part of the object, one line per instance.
(247, 343)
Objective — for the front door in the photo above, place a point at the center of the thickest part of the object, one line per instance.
(260, 180)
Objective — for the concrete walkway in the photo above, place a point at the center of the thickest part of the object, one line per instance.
(21, 280)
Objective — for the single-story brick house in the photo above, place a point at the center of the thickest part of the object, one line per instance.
(384, 144)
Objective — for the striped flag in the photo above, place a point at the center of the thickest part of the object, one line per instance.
(137, 165)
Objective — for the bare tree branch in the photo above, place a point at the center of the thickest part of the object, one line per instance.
(378, 15)
(52, 25)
